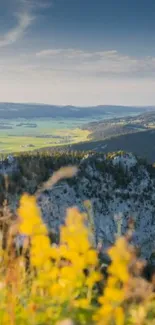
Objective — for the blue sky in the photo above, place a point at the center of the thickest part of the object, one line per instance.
(81, 52)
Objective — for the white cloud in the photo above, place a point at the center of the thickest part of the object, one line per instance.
(69, 76)
(24, 20)
(74, 53)
(98, 62)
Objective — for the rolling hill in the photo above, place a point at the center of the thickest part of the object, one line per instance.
(28, 111)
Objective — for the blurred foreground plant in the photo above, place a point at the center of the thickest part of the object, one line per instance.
(59, 285)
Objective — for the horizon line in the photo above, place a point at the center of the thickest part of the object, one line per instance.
(72, 105)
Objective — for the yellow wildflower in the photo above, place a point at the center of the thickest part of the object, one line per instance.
(82, 303)
(114, 293)
(30, 218)
(91, 257)
(93, 278)
(121, 271)
(119, 316)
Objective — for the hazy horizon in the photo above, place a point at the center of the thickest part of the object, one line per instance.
(80, 106)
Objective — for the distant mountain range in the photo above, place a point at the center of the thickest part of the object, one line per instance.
(28, 111)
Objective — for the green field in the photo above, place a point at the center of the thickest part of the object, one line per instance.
(30, 134)
(25, 135)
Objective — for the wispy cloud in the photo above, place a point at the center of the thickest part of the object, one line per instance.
(24, 20)
(25, 14)
(74, 53)
(101, 63)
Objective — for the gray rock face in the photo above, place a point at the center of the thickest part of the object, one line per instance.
(113, 191)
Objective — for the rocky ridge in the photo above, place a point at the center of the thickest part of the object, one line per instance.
(118, 185)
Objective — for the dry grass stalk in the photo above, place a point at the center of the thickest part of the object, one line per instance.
(62, 173)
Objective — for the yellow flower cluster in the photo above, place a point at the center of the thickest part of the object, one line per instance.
(63, 285)
(62, 268)
(31, 225)
(111, 310)
(76, 249)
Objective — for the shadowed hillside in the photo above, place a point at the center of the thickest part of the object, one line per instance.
(141, 143)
